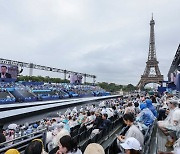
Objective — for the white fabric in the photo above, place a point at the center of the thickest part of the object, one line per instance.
(176, 147)
(172, 121)
(49, 137)
(3, 76)
(92, 117)
(109, 111)
(176, 116)
(62, 133)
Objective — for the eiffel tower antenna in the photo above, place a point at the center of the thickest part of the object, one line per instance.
(151, 73)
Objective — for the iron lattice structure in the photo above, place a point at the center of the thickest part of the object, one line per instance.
(151, 73)
(32, 66)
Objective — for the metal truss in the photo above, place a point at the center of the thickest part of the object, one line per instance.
(41, 67)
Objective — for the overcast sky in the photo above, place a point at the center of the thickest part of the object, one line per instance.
(106, 38)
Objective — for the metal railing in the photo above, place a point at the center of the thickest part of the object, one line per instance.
(21, 143)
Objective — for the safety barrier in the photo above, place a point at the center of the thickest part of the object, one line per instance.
(21, 143)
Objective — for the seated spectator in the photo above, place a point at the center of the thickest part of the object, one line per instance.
(129, 108)
(67, 146)
(153, 98)
(87, 120)
(74, 110)
(115, 112)
(92, 116)
(109, 112)
(133, 131)
(106, 122)
(35, 147)
(164, 108)
(172, 122)
(82, 117)
(102, 104)
(12, 151)
(72, 121)
(137, 109)
(98, 121)
(10, 136)
(131, 146)
(145, 117)
(151, 107)
(94, 148)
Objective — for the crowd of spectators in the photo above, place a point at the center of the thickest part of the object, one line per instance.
(89, 116)
(139, 115)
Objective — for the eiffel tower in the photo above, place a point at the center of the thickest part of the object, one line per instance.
(151, 73)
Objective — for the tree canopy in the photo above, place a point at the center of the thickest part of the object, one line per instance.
(111, 87)
(42, 79)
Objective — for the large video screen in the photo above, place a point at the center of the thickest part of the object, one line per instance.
(76, 79)
(8, 72)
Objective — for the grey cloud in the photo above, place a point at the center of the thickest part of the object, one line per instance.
(107, 38)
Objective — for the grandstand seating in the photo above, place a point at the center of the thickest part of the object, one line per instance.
(6, 97)
(34, 91)
(83, 136)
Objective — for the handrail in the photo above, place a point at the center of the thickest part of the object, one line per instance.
(23, 136)
(19, 143)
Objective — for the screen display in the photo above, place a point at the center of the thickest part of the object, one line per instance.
(76, 79)
(8, 71)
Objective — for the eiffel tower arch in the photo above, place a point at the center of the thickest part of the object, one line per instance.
(152, 72)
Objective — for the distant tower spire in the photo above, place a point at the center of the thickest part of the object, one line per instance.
(152, 50)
